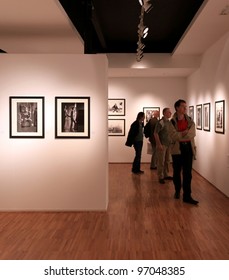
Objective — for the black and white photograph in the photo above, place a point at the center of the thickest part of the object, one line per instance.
(219, 116)
(149, 111)
(191, 112)
(206, 116)
(116, 107)
(72, 117)
(116, 127)
(199, 116)
(26, 117)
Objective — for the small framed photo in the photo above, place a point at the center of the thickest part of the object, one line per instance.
(26, 117)
(219, 116)
(149, 112)
(206, 116)
(191, 112)
(72, 117)
(116, 127)
(199, 116)
(116, 107)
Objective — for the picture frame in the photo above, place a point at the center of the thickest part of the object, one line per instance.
(26, 118)
(116, 107)
(148, 111)
(191, 112)
(199, 116)
(72, 117)
(116, 127)
(206, 116)
(220, 116)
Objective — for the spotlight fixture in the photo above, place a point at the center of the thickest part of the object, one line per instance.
(142, 29)
(146, 4)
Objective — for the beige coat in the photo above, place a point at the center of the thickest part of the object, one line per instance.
(176, 136)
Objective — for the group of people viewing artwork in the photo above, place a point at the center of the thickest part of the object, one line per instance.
(170, 137)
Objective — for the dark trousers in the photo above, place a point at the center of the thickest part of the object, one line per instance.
(138, 153)
(183, 162)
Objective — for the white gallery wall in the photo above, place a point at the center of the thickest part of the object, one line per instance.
(54, 174)
(139, 93)
(207, 85)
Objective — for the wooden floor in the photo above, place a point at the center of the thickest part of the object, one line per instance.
(143, 221)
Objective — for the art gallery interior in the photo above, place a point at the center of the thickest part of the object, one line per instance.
(44, 56)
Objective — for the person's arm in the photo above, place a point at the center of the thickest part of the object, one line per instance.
(156, 136)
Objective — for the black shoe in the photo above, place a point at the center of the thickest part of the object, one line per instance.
(177, 195)
(161, 181)
(190, 201)
(168, 178)
(137, 172)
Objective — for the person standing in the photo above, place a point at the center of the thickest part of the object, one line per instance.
(161, 134)
(135, 138)
(182, 132)
(153, 121)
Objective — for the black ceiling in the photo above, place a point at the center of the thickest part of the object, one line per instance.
(110, 26)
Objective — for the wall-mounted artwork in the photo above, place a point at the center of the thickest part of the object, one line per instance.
(72, 117)
(206, 116)
(116, 127)
(116, 107)
(191, 112)
(199, 116)
(26, 117)
(149, 111)
(219, 116)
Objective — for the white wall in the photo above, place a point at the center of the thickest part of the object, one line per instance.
(139, 93)
(49, 173)
(209, 84)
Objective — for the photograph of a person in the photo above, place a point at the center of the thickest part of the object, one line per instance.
(206, 116)
(72, 117)
(219, 116)
(26, 117)
(199, 116)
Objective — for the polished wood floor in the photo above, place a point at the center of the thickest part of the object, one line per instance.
(143, 221)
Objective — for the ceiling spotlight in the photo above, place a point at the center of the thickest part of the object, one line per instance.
(143, 30)
(140, 45)
(147, 5)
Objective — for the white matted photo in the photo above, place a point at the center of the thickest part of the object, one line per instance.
(26, 117)
(219, 116)
(72, 117)
(116, 107)
(116, 127)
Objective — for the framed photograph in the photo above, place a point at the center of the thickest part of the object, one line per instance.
(72, 117)
(116, 127)
(199, 116)
(26, 117)
(116, 107)
(191, 112)
(206, 116)
(149, 111)
(219, 116)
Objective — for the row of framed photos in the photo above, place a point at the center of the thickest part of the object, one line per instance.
(203, 116)
(72, 117)
(116, 107)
